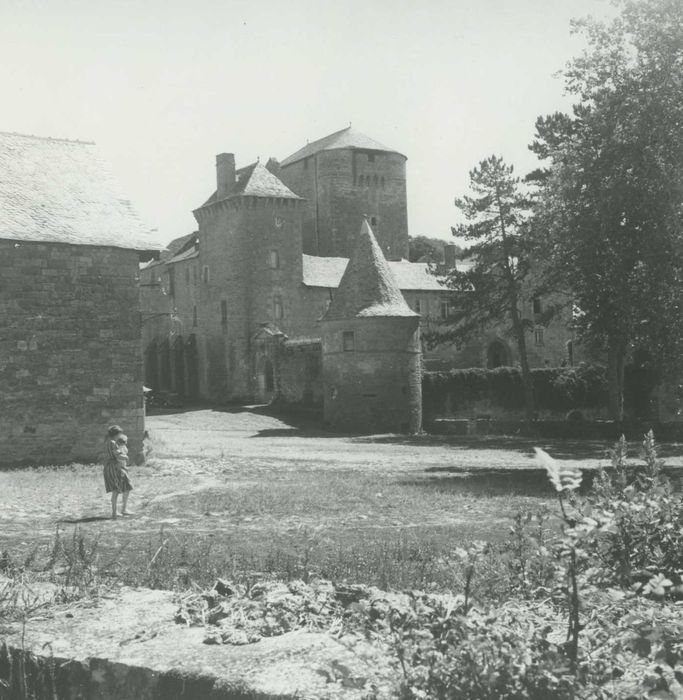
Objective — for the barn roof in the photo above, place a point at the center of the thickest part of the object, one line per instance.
(367, 288)
(59, 191)
(346, 138)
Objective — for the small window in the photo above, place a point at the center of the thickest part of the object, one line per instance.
(187, 276)
(374, 220)
(274, 260)
(278, 311)
(206, 274)
(224, 312)
(445, 309)
(194, 316)
(417, 306)
(375, 181)
(348, 341)
(371, 157)
(538, 336)
(360, 180)
(305, 163)
(194, 275)
(538, 308)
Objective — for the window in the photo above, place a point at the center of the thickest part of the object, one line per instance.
(371, 157)
(348, 341)
(277, 307)
(537, 305)
(538, 336)
(274, 260)
(445, 309)
(187, 276)
(171, 281)
(360, 180)
(194, 316)
(374, 220)
(417, 307)
(206, 274)
(305, 163)
(194, 275)
(375, 181)
(224, 312)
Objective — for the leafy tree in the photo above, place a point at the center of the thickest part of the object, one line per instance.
(611, 192)
(425, 248)
(491, 291)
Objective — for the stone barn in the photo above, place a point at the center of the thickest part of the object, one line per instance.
(70, 325)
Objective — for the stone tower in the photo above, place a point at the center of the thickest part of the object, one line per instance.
(371, 348)
(342, 177)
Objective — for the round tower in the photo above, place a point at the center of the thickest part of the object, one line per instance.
(371, 348)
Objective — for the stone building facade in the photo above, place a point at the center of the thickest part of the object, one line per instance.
(70, 336)
(371, 355)
(233, 310)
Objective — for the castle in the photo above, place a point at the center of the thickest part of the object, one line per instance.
(233, 310)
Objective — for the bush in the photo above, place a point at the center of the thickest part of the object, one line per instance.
(559, 389)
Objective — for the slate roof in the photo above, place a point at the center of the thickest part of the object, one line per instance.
(327, 272)
(367, 288)
(59, 191)
(346, 138)
(256, 180)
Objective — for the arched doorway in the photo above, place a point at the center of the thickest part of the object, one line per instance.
(265, 378)
(179, 366)
(497, 355)
(152, 366)
(164, 365)
(192, 363)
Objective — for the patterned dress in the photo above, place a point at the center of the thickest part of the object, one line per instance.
(115, 472)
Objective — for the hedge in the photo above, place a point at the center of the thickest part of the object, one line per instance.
(555, 389)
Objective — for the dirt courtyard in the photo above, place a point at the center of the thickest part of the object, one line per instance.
(243, 473)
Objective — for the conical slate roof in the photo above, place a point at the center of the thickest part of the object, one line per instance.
(367, 288)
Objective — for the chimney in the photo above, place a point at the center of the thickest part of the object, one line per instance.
(449, 255)
(273, 166)
(225, 174)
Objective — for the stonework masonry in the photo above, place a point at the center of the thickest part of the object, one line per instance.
(341, 186)
(70, 350)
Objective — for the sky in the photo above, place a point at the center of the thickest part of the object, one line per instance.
(162, 86)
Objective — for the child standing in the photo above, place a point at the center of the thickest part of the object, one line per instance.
(116, 479)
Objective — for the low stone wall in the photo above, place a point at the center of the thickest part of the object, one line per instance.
(299, 373)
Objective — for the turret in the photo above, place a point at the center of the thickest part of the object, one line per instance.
(371, 348)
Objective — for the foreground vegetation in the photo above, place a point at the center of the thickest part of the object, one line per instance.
(581, 599)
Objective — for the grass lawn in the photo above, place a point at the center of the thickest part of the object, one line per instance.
(243, 496)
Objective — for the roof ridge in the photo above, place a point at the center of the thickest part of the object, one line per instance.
(47, 138)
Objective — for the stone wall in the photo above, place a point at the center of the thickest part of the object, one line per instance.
(299, 373)
(70, 351)
(372, 384)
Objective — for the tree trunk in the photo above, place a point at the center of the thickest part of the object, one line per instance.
(527, 381)
(616, 352)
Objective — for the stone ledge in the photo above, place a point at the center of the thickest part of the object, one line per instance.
(127, 647)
